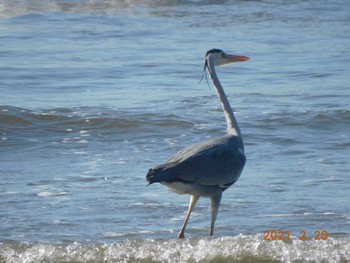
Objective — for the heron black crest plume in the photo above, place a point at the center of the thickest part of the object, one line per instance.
(204, 74)
(206, 65)
(206, 168)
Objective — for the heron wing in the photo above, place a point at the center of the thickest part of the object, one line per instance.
(217, 162)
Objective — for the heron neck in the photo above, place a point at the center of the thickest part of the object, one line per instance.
(232, 124)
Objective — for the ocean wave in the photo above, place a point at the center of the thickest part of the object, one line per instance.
(83, 119)
(9, 9)
(239, 248)
(83, 124)
(315, 118)
(113, 118)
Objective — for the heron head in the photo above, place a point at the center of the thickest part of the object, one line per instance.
(219, 57)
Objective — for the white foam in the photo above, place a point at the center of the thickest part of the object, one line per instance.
(48, 193)
(224, 249)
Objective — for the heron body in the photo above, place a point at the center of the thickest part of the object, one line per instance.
(207, 168)
(203, 169)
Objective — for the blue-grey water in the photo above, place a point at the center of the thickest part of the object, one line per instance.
(94, 93)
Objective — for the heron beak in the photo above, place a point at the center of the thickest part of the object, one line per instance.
(236, 58)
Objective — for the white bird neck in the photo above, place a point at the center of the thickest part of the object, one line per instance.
(232, 124)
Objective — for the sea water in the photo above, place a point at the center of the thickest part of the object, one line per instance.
(94, 93)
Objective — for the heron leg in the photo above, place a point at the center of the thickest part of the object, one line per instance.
(193, 202)
(215, 203)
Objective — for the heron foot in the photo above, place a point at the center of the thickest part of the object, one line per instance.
(181, 235)
(211, 233)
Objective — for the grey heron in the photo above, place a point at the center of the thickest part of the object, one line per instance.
(207, 168)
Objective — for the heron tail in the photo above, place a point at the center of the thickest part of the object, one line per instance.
(160, 173)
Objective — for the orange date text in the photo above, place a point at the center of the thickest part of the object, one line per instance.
(286, 235)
